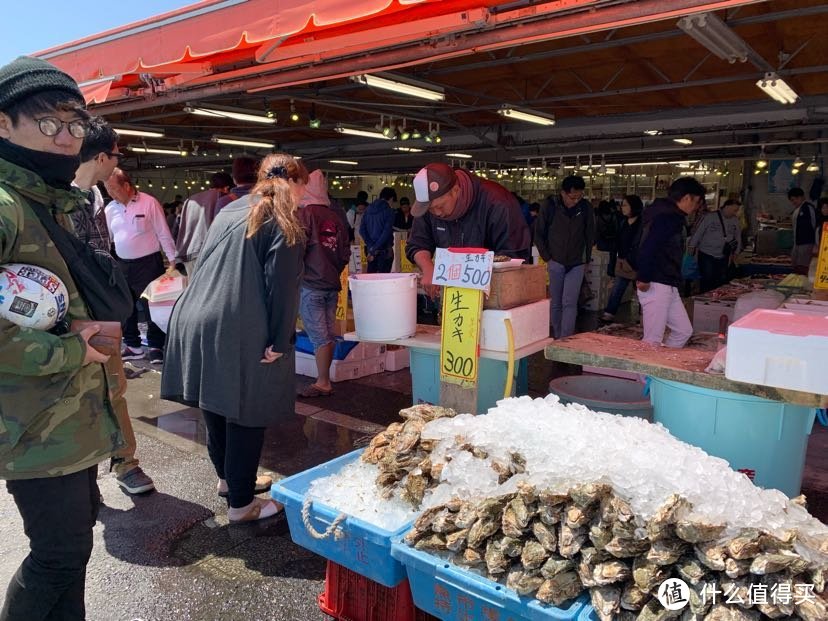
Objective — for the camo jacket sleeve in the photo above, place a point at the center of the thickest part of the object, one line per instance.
(26, 351)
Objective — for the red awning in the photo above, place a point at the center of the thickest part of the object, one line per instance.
(214, 27)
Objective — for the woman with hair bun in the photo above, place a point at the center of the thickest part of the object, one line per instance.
(230, 342)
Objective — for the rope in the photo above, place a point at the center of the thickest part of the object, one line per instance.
(333, 529)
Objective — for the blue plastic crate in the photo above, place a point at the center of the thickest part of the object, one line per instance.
(341, 347)
(452, 593)
(363, 547)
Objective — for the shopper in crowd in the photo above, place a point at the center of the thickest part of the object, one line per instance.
(629, 237)
(564, 234)
(241, 306)
(804, 220)
(402, 217)
(659, 263)
(56, 420)
(822, 216)
(377, 231)
(196, 217)
(607, 225)
(327, 252)
(139, 233)
(453, 207)
(244, 172)
(716, 242)
(355, 214)
(99, 156)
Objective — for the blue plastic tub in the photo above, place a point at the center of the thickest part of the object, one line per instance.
(341, 347)
(766, 440)
(452, 593)
(363, 547)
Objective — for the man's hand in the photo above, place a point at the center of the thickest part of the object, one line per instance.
(171, 271)
(426, 265)
(643, 286)
(270, 356)
(92, 354)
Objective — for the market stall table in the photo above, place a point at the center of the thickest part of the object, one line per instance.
(424, 349)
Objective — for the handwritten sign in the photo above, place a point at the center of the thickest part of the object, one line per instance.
(342, 298)
(363, 258)
(459, 350)
(821, 278)
(406, 266)
(470, 268)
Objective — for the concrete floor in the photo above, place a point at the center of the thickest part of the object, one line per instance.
(172, 555)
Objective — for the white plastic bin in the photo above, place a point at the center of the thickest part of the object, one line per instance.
(385, 306)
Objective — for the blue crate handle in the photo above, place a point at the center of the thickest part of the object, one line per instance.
(333, 529)
(647, 382)
(822, 416)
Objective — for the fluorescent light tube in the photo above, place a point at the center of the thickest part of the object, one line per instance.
(402, 86)
(243, 143)
(126, 131)
(777, 88)
(684, 141)
(714, 34)
(345, 162)
(408, 149)
(351, 131)
(530, 117)
(160, 150)
(464, 156)
(230, 114)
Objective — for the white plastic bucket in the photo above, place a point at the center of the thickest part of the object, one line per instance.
(385, 306)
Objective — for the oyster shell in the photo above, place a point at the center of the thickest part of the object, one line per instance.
(633, 598)
(667, 551)
(712, 555)
(698, 532)
(533, 555)
(570, 540)
(607, 602)
(648, 576)
(496, 561)
(746, 545)
(545, 535)
(456, 541)
(560, 588)
(557, 565)
(691, 570)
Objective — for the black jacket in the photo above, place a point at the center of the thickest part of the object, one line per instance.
(629, 238)
(662, 243)
(565, 235)
(494, 221)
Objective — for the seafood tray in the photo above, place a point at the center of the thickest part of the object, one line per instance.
(452, 593)
(359, 546)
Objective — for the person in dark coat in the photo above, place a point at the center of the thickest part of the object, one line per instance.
(629, 237)
(230, 344)
(377, 231)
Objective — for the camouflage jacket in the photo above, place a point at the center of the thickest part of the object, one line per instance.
(55, 414)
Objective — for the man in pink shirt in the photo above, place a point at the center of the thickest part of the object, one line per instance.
(139, 232)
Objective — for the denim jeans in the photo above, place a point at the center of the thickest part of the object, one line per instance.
(235, 451)
(619, 288)
(58, 515)
(564, 288)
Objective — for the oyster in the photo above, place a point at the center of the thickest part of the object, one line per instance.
(560, 588)
(720, 612)
(513, 577)
(660, 525)
(431, 542)
(600, 535)
(530, 582)
(772, 563)
(735, 568)
(576, 517)
(654, 611)
(533, 555)
(414, 488)
(623, 547)
(667, 551)
(496, 561)
(607, 602)
(698, 532)
(555, 566)
(466, 515)
(812, 609)
(472, 557)
(633, 598)
(712, 555)
(610, 572)
(511, 547)
(746, 545)
(570, 540)
(443, 522)
(648, 576)
(407, 439)
(481, 530)
(427, 412)
(691, 570)
(589, 494)
(545, 535)
(456, 541)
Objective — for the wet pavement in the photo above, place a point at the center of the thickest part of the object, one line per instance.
(172, 555)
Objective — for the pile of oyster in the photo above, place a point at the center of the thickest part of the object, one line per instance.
(553, 545)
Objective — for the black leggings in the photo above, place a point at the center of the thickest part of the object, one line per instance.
(235, 451)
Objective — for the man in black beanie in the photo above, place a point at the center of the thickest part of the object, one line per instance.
(56, 418)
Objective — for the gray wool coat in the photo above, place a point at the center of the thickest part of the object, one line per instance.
(244, 297)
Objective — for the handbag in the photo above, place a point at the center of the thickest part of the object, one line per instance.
(99, 280)
(729, 246)
(623, 269)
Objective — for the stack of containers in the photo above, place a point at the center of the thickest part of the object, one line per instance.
(352, 360)
(599, 282)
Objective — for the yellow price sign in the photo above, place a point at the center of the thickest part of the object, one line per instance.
(821, 278)
(406, 266)
(342, 298)
(459, 349)
(363, 256)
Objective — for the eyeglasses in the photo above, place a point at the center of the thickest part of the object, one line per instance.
(118, 156)
(51, 126)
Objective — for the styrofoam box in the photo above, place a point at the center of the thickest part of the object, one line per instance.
(530, 323)
(396, 359)
(809, 309)
(364, 351)
(779, 348)
(341, 370)
(707, 312)
(372, 366)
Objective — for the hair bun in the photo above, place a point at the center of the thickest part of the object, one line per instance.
(277, 171)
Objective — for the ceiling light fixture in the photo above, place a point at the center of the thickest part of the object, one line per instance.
(365, 133)
(229, 113)
(761, 162)
(524, 115)
(653, 132)
(294, 116)
(404, 133)
(143, 133)
(313, 122)
(813, 166)
(158, 150)
(345, 162)
(258, 144)
(714, 34)
(684, 141)
(416, 134)
(408, 149)
(433, 134)
(776, 88)
(402, 86)
(462, 156)
(798, 162)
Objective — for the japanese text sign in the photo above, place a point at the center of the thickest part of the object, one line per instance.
(821, 278)
(463, 267)
(462, 309)
(342, 298)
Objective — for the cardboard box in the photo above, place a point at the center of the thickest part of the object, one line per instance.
(516, 287)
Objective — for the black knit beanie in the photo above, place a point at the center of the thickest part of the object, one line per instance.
(27, 76)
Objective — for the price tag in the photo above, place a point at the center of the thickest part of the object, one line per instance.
(470, 268)
(459, 350)
(363, 258)
(821, 278)
(406, 266)
(342, 298)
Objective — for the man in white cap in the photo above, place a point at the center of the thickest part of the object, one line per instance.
(454, 208)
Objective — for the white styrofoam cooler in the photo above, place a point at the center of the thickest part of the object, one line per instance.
(779, 348)
(530, 323)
